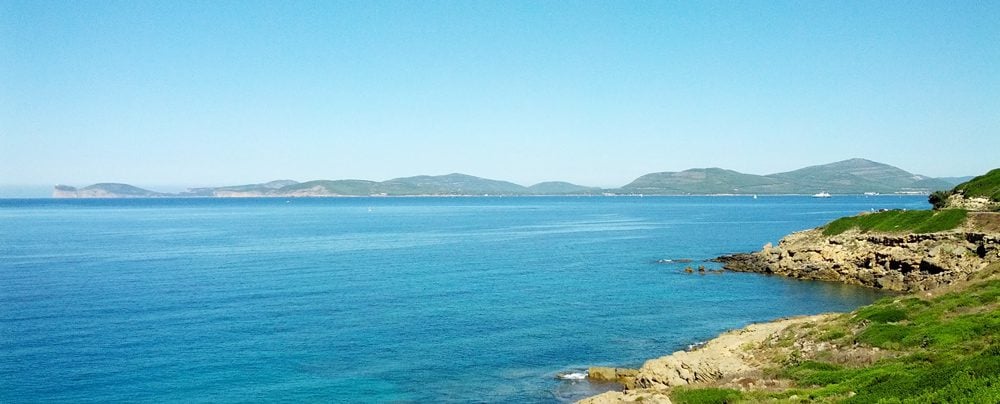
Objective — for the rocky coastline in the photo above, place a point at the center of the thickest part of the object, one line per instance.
(898, 262)
(731, 359)
(745, 359)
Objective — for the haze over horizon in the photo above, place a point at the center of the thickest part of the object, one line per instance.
(595, 93)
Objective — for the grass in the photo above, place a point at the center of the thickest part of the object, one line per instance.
(898, 221)
(986, 185)
(704, 396)
(947, 350)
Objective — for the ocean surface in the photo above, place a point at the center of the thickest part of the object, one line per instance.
(379, 299)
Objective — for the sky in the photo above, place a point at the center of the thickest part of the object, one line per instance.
(172, 93)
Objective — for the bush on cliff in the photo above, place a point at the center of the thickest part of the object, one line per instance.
(939, 199)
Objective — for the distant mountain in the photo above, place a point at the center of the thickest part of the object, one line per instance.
(562, 188)
(451, 184)
(104, 190)
(857, 176)
(240, 190)
(852, 176)
(956, 180)
(700, 181)
(328, 188)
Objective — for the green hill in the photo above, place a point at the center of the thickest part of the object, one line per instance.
(858, 176)
(329, 188)
(852, 176)
(700, 181)
(121, 189)
(451, 184)
(104, 190)
(984, 186)
(262, 189)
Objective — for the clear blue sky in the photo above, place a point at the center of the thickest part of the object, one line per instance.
(214, 93)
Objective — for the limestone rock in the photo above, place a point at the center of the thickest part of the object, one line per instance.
(624, 376)
(723, 357)
(901, 262)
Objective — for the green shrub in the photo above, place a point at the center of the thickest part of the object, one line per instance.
(884, 335)
(704, 396)
(938, 199)
(832, 335)
(813, 373)
(882, 314)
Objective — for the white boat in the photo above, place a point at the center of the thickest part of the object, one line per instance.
(823, 194)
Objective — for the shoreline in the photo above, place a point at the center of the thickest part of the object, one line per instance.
(753, 358)
(729, 359)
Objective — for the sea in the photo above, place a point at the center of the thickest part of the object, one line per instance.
(395, 300)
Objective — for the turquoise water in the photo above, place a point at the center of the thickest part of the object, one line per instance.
(378, 299)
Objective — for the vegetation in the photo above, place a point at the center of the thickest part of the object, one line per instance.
(704, 396)
(942, 349)
(985, 186)
(898, 221)
(939, 199)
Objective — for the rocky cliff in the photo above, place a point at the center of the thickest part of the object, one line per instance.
(900, 262)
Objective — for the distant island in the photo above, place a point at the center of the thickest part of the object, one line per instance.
(854, 176)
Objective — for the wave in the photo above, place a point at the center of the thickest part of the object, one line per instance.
(572, 376)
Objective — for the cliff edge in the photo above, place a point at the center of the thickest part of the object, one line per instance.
(881, 259)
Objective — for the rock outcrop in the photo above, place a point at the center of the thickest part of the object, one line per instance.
(623, 376)
(975, 204)
(724, 361)
(900, 262)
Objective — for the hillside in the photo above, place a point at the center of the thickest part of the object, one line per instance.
(451, 184)
(857, 176)
(980, 193)
(854, 176)
(702, 181)
(984, 186)
(263, 189)
(104, 190)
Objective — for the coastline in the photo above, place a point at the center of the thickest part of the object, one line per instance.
(754, 361)
(732, 359)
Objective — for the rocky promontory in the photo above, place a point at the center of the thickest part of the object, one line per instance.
(899, 262)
